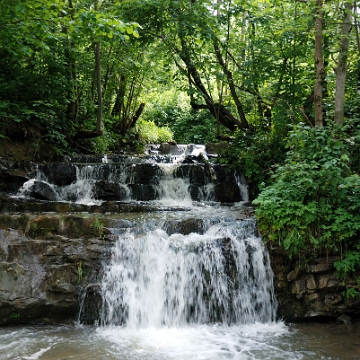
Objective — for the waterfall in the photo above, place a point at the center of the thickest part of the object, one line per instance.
(172, 180)
(156, 279)
(243, 186)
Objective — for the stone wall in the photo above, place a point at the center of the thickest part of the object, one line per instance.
(311, 290)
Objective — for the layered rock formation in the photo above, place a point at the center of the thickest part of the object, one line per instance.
(312, 289)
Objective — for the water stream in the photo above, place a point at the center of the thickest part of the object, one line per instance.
(176, 295)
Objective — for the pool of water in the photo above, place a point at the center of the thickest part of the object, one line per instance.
(198, 342)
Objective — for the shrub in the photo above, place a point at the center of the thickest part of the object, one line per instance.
(150, 133)
(314, 201)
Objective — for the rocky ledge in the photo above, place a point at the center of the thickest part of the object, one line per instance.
(312, 290)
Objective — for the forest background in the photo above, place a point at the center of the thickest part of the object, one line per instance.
(277, 82)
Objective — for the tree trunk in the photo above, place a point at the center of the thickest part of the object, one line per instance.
(341, 68)
(72, 107)
(120, 96)
(99, 122)
(138, 113)
(356, 25)
(217, 110)
(243, 122)
(319, 64)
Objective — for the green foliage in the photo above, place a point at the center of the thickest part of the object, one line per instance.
(351, 293)
(79, 271)
(350, 263)
(47, 70)
(105, 143)
(188, 126)
(314, 200)
(149, 133)
(98, 227)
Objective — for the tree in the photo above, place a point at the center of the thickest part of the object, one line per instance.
(341, 68)
(99, 122)
(319, 64)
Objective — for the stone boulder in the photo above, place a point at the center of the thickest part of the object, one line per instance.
(42, 190)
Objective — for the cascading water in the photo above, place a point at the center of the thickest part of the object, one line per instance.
(173, 190)
(169, 179)
(156, 279)
(205, 294)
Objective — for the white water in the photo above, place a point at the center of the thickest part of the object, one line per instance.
(81, 191)
(159, 280)
(172, 190)
(243, 186)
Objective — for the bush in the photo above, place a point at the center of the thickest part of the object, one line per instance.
(150, 133)
(314, 202)
(188, 125)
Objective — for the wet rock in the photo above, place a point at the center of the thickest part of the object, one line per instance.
(143, 192)
(310, 291)
(185, 226)
(344, 319)
(42, 226)
(227, 192)
(310, 282)
(90, 305)
(43, 278)
(43, 191)
(59, 173)
(293, 275)
(105, 190)
(194, 159)
(144, 174)
(171, 148)
(13, 176)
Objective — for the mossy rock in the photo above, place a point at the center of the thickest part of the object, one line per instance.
(6, 221)
(18, 222)
(43, 227)
(77, 226)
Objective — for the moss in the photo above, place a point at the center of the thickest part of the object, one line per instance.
(22, 222)
(77, 226)
(6, 221)
(43, 227)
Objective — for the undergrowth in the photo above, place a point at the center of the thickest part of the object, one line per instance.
(313, 203)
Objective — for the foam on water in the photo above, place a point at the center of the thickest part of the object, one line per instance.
(173, 191)
(202, 342)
